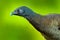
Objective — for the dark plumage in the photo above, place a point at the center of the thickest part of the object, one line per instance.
(48, 25)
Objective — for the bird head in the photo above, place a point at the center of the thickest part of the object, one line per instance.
(22, 11)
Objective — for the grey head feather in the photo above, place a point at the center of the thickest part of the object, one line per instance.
(23, 11)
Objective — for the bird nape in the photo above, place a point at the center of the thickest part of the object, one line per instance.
(48, 25)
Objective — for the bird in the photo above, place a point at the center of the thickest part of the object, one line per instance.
(48, 25)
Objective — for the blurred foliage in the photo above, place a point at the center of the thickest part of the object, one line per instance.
(18, 28)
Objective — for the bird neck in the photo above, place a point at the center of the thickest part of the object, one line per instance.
(34, 20)
(46, 37)
(31, 15)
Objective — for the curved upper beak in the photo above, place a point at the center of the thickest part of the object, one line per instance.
(13, 13)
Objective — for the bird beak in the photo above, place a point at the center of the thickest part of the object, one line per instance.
(13, 13)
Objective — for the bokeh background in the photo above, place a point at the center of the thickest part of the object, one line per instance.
(18, 28)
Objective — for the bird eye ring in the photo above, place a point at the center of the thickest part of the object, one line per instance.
(21, 11)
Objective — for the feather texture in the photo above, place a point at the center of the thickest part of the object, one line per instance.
(48, 25)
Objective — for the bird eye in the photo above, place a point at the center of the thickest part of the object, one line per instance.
(21, 11)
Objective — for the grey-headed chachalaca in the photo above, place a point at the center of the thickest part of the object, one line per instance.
(48, 25)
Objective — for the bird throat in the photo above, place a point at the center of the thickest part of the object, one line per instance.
(34, 20)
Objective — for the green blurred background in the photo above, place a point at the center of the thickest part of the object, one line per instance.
(18, 28)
